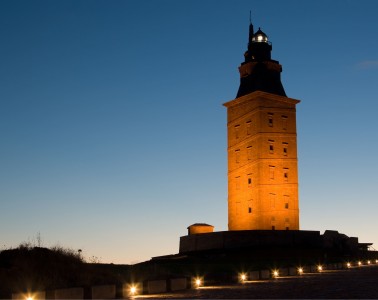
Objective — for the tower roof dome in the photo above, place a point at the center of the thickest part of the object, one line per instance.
(260, 36)
(259, 72)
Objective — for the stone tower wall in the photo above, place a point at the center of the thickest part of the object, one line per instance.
(262, 163)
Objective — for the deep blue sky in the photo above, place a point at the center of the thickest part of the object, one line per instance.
(113, 133)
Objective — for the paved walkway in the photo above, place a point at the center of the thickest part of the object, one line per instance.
(355, 283)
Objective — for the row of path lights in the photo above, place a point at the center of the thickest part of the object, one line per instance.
(319, 268)
(198, 282)
(133, 289)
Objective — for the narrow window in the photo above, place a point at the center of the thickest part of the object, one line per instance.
(249, 131)
(271, 146)
(284, 147)
(273, 223)
(237, 156)
(237, 182)
(286, 200)
(249, 152)
(284, 122)
(237, 128)
(249, 181)
(249, 210)
(286, 174)
(270, 119)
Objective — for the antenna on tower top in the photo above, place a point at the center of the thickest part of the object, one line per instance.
(251, 33)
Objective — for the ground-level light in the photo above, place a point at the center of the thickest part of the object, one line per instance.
(348, 264)
(320, 268)
(300, 271)
(198, 282)
(368, 262)
(275, 273)
(359, 263)
(242, 277)
(133, 289)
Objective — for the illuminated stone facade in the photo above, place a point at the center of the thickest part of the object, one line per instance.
(262, 146)
(262, 163)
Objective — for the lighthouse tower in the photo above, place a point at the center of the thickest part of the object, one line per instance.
(262, 145)
(263, 211)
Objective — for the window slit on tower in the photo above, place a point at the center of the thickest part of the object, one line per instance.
(270, 119)
(249, 179)
(284, 147)
(248, 123)
(286, 174)
(237, 131)
(249, 152)
(271, 146)
(237, 155)
(284, 122)
(237, 182)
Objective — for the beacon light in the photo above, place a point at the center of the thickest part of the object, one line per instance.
(300, 271)
(29, 298)
(275, 273)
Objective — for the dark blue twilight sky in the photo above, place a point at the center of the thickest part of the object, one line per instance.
(113, 134)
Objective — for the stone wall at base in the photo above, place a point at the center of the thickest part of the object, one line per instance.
(104, 292)
(177, 284)
(228, 240)
(156, 286)
(72, 293)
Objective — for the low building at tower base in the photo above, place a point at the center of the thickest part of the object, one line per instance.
(277, 244)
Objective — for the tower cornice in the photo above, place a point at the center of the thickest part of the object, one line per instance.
(259, 95)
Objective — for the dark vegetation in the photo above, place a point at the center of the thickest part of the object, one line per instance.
(30, 268)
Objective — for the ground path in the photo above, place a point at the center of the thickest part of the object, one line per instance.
(355, 283)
